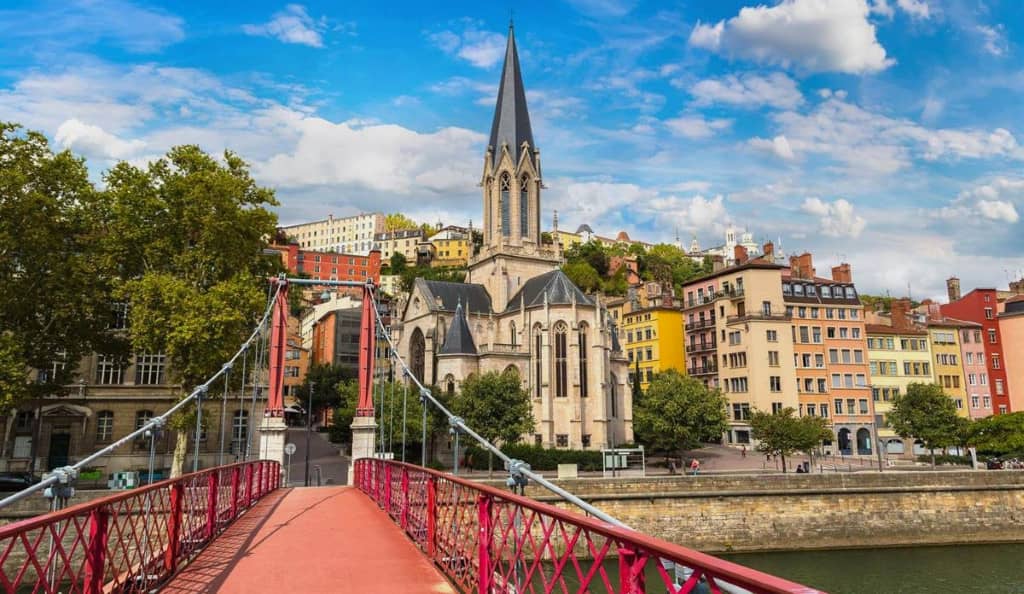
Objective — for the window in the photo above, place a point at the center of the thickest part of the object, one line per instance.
(821, 385)
(824, 410)
(988, 313)
(863, 406)
(1002, 409)
(766, 308)
(847, 380)
(972, 379)
(524, 206)
(239, 431)
(142, 417)
(801, 312)
(855, 333)
(837, 383)
(108, 370)
(538, 343)
(291, 371)
(992, 336)
(810, 409)
(772, 336)
(585, 440)
(839, 406)
(986, 401)
(819, 361)
(969, 357)
(975, 401)
(804, 334)
(23, 421)
(773, 358)
(858, 356)
(814, 313)
(776, 408)
(149, 369)
(104, 425)
(861, 381)
(775, 384)
(983, 377)
(995, 360)
(583, 364)
(999, 387)
(562, 440)
(119, 313)
(847, 356)
(503, 204)
(740, 411)
(561, 383)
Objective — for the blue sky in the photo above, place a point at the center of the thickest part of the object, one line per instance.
(884, 133)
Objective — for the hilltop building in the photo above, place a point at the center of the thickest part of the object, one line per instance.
(350, 235)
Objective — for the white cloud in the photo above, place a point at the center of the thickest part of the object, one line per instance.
(749, 90)
(917, 9)
(94, 142)
(995, 200)
(837, 219)
(813, 35)
(695, 126)
(83, 22)
(998, 210)
(292, 25)
(870, 143)
(778, 146)
(482, 49)
(881, 7)
(994, 39)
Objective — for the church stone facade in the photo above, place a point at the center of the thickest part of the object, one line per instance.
(517, 310)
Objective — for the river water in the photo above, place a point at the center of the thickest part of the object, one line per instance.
(981, 569)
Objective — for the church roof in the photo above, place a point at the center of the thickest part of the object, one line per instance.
(584, 228)
(445, 296)
(458, 341)
(553, 287)
(511, 119)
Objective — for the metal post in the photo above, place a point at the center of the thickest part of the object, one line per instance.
(213, 484)
(486, 535)
(431, 516)
(174, 526)
(880, 454)
(235, 480)
(248, 485)
(309, 426)
(404, 519)
(631, 571)
(96, 551)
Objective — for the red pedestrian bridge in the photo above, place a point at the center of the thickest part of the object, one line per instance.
(401, 528)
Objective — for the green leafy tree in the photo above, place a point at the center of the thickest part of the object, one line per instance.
(593, 253)
(546, 238)
(782, 433)
(326, 380)
(668, 265)
(447, 274)
(617, 284)
(998, 435)
(678, 413)
(497, 407)
(707, 266)
(399, 263)
(926, 413)
(56, 299)
(399, 222)
(187, 233)
(582, 275)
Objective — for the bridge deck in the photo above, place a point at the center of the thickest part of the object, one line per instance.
(328, 539)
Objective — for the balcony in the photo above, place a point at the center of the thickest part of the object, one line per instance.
(702, 370)
(698, 324)
(733, 293)
(759, 316)
(701, 347)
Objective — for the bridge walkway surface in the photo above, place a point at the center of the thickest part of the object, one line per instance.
(327, 539)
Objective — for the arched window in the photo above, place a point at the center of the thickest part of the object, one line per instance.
(239, 431)
(417, 353)
(104, 425)
(538, 361)
(513, 370)
(449, 384)
(512, 333)
(583, 360)
(524, 206)
(561, 378)
(506, 187)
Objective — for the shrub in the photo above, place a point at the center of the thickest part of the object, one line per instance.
(539, 458)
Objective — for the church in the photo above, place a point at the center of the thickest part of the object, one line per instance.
(517, 310)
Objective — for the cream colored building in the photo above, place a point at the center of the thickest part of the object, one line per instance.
(403, 242)
(349, 235)
(517, 310)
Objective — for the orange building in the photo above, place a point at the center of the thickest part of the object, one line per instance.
(330, 265)
(1011, 326)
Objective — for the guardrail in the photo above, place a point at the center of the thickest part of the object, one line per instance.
(132, 541)
(486, 540)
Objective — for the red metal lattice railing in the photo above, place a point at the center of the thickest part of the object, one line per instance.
(487, 541)
(132, 541)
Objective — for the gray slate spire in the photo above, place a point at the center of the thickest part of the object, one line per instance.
(511, 119)
(458, 341)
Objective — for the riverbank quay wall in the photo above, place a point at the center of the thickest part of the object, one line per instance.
(734, 513)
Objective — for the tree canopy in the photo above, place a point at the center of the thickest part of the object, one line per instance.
(926, 413)
(677, 413)
(999, 434)
(397, 221)
(496, 406)
(782, 433)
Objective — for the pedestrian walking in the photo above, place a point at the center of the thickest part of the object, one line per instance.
(743, 452)
(694, 466)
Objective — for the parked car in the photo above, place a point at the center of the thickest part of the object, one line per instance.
(994, 464)
(16, 481)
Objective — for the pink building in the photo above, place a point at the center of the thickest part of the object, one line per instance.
(972, 355)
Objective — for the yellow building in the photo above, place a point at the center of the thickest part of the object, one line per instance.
(948, 370)
(898, 356)
(653, 341)
(451, 247)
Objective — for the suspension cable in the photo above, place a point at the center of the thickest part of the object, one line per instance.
(65, 475)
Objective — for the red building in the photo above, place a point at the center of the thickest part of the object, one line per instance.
(330, 265)
(982, 306)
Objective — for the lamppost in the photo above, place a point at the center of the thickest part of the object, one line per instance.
(309, 427)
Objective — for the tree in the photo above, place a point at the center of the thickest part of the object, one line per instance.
(187, 234)
(782, 433)
(398, 264)
(998, 435)
(327, 380)
(925, 413)
(399, 222)
(582, 275)
(496, 406)
(617, 284)
(592, 253)
(677, 413)
(56, 302)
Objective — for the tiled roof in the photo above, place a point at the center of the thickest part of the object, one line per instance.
(551, 287)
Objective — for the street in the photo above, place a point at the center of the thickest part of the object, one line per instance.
(333, 466)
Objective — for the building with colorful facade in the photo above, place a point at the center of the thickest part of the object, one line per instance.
(982, 306)
(350, 235)
(1011, 326)
(653, 339)
(333, 266)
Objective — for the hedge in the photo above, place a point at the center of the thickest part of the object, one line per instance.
(537, 457)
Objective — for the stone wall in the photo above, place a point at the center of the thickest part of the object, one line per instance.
(789, 512)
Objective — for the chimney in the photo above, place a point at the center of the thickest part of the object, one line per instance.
(842, 274)
(953, 288)
(802, 266)
(769, 251)
(740, 254)
(900, 311)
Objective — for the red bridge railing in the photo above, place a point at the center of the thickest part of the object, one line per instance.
(487, 541)
(131, 541)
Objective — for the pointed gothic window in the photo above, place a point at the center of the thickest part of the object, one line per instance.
(538, 365)
(583, 360)
(524, 206)
(512, 333)
(561, 385)
(417, 352)
(506, 223)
